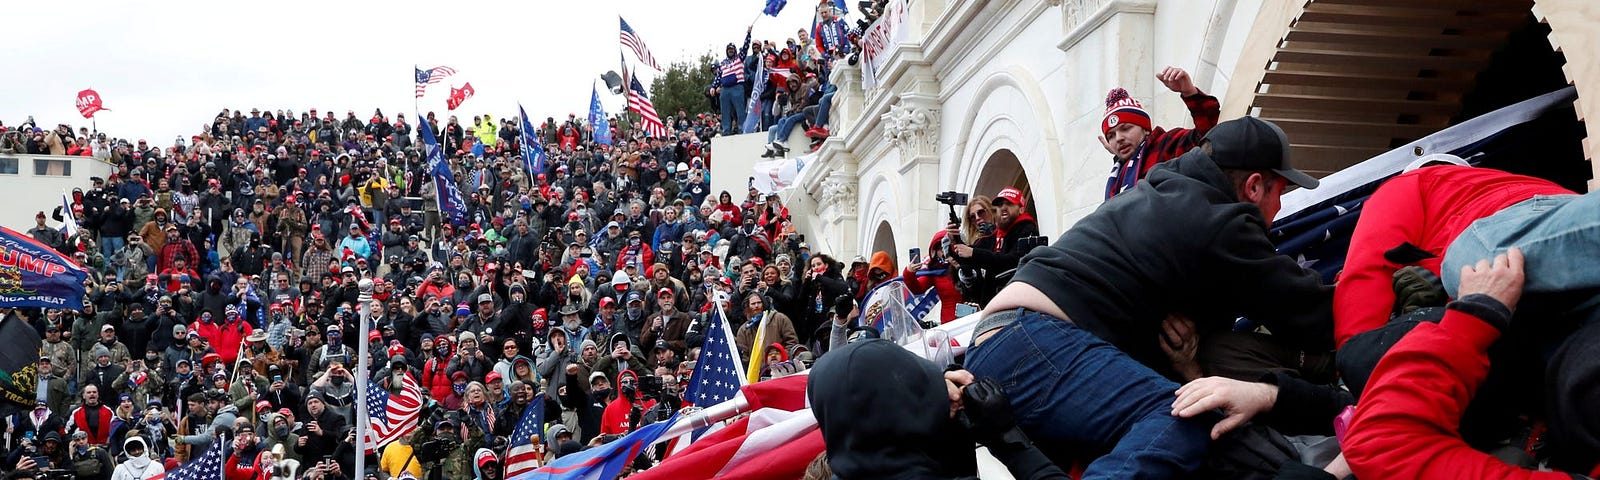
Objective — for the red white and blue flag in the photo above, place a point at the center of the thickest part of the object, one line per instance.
(524, 455)
(35, 275)
(431, 76)
(639, 102)
(604, 462)
(392, 416)
(631, 40)
(207, 467)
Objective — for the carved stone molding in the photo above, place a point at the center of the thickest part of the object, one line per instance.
(1079, 10)
(913, 129)
(838, 191)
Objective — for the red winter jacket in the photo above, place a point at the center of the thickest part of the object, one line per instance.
(98, 434)
(615, 419)
(1427, 208)
(436, 375)
(918, 282)
(1407, 421)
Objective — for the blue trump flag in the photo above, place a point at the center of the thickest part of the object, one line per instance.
(753, 110)
(774, 6)
(451, 207)
(597, 118)
(34, 275)
(604, 462)
(533, 156)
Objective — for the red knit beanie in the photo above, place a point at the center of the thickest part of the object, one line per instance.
(1120, 109)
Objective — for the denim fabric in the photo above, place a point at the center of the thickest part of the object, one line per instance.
(823, 105)
(1559, 236)
(109, 245)
(731, 100)
(785, 126)
(1068, 386)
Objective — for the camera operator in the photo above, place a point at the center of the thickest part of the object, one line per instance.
(625, 412)
(995, 253)
(443, 449)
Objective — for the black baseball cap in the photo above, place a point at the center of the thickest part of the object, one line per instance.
(1254, 144)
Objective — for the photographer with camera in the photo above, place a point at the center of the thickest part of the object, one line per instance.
(984, 260)
(625, 411)
(442, 447)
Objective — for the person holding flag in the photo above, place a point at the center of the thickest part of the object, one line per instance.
(451, 207)
(762, 327)
(526, 444)
(533, 154)
(731, 74)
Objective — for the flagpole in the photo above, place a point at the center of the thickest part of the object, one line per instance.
(362, 420)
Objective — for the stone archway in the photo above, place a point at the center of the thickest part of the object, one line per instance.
(1001, 170)
(1348, 79)
(883, 241)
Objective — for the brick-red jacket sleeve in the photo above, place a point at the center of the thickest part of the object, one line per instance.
(1406, 424)
(1364, 296)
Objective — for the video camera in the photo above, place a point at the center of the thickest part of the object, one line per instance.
(952, 200)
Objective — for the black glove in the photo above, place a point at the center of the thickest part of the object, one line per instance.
(986, 414)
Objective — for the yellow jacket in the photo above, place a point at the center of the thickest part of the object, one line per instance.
(377, 184)
(487, 132)
(394, 460)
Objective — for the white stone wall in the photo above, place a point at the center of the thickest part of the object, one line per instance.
(1026, 76)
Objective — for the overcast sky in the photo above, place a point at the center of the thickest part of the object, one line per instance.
(165, 68)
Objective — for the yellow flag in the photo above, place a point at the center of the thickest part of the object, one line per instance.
(756, 355)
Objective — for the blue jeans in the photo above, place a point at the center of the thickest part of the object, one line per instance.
(1067, 385)
(1560, 237)
(780, 133)
(109, 245)
(731, 100)
(823, 105)
(767, 119)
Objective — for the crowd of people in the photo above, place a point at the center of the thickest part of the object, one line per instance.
(235, 274)
(224, 296)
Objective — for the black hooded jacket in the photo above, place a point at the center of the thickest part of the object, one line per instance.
(1179, 242)
(917, 439)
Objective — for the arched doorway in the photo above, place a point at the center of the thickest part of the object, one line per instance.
(1349, 79)
(1003, 169)
(883, 241)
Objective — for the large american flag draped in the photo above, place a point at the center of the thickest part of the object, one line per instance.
(640, 103)
(631, 40)
(523, 456)
(392, 416)
(207, 467)
(431, 76)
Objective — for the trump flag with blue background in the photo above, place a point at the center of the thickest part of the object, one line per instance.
(34, 275)
(451, 206)
(533, 156)
(597, 118)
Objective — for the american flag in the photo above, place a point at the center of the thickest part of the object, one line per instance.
(392, 416)
(431, 76)
(717, 376)
(631, 40)
(640, 103)
(523, 456)
(207, 467)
